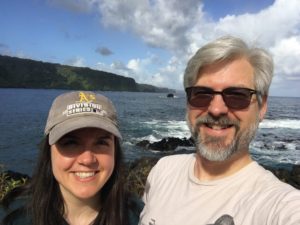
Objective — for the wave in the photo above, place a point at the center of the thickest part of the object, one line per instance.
(274, 146)
(173, 128)
(283, 123)
(170, 128)
(165, 96)
(289, 156)
(264, 150)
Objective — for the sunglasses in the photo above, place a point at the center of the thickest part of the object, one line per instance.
(234, 97)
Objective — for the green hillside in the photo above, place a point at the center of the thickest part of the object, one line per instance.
(26, 73)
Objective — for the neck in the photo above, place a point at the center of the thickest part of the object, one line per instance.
(206, 170)
(81, 212)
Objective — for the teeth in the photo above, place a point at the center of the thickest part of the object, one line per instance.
(217, 127)
(84, 174)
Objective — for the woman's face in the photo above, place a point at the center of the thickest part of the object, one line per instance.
(82, 162)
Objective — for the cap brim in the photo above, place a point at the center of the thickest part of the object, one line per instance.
(81, 122)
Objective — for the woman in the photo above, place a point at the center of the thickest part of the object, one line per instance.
(78, 175)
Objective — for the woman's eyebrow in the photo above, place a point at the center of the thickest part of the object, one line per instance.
(105, 136)
(69, 136)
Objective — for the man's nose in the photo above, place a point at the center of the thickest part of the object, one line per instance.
(217, 106)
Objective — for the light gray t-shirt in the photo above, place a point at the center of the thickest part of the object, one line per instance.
(252, 196)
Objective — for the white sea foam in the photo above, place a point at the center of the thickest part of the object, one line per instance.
(179, 129)
(165, 96)
(171, 128)
(283, 123)
(275, 146)
(289, 156)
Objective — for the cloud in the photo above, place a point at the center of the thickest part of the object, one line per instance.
(287, 69)
(80, 6)
(286, 56)
(137, 68)
(159, 23)
(266, 27)
(116, 67)
(76, 61)
(181, 27)
(104, 51)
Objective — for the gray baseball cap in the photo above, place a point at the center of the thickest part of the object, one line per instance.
(80, 109)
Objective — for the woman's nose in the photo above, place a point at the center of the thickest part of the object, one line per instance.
(87, 157)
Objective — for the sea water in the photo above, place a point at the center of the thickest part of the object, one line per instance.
(142, 116)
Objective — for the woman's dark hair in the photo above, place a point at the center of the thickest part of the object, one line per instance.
(46, 205)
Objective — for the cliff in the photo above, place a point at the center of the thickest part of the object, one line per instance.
(26, 73)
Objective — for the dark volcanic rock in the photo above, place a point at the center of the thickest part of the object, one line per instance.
(143, 144)
(295, 176)
(166, 144)
(291, 177)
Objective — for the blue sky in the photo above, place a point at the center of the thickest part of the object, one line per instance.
(150, 40)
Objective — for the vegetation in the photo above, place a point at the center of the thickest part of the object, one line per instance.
(26, 73)
(8, 183)
(136, 174)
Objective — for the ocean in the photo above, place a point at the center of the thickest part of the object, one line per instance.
(142, 116)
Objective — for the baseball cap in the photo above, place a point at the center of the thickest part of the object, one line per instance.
(80, 109)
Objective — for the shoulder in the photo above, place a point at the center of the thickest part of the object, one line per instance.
(175, 161)
(135, 206)
(275, 190)
(170, 166)
(18, 217)
(267, 179)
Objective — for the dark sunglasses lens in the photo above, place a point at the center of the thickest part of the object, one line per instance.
(237, 98)
(199, 97)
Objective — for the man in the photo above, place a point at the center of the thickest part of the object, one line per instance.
(227, 86)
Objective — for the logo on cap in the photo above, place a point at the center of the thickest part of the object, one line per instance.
(85, 105)
(86, 98)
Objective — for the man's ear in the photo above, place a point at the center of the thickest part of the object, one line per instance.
(263, 109)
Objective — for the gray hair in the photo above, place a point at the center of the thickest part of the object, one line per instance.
(228, 48)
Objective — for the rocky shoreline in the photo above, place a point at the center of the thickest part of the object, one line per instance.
(136, 172)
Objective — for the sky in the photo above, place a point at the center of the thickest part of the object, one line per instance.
(150, 40)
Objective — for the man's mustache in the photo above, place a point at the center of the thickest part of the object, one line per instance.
(220, 121)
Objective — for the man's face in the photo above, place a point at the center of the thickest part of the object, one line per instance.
(220, 131)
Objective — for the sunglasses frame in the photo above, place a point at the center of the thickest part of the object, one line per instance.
(210, 93)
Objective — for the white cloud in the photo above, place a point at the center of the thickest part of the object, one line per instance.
(76, 61)
(287, 69)
(134, 64)
(116, 67)
(278, 21)
(159, 23)
(181, 27)
(286, 56)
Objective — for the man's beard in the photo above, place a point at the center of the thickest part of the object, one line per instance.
(214, 148)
